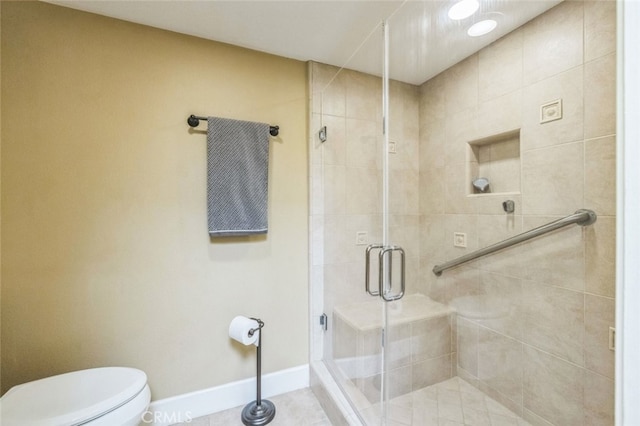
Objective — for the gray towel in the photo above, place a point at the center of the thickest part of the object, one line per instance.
(237, 170)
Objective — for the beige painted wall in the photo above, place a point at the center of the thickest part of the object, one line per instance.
(107, 260)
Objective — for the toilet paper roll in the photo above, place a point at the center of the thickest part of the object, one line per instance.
(239, 330)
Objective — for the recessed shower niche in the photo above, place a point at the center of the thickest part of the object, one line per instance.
(494, 164)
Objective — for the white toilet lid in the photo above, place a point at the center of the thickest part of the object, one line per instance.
(71, 398)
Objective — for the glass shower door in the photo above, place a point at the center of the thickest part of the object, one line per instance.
(361, 266)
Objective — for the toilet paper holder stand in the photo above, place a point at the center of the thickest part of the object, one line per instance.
(261, 411)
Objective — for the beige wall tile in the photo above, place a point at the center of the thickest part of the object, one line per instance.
(402, 382)
(598, 400)
(599, 316)
(553, 42)
(436, 287)
(500, 114)
(363, 96)
(495, 228)
(432, 236)
(315, 146)
(464, 281)
(396, 110)
(553, 389)
(505, 166)
(344, 340)
(501, 304)
(553, 180)
(461, 86)
(500, 363)
(363, 188)
(335, 145)
(411, 120)
(329, 90)
(414, 282)
(403, 192)
(461, 128)
(335, 286)
(430, 338)
(600, 175)
(406, 234)
(467, 346)
(317, 189)
(334, 189)
(600, 97)
(500, 66)
(363, 143)
(457, 189)
(431, 371)
(513, 404)
(335, 239)
(509, 262)
(432, 144)
(600, 257)
(599, 28)
(399, 340)
(432, 106)
(432, 190)
(553, 320)
(567, 86)
(317, 229)
(369, 223)
(534, 419)
(553, 259)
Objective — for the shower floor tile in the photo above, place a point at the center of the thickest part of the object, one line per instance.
(453, 402)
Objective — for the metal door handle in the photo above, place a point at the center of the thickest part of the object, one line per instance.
(386, 293)
(367, 266)
(385, 254)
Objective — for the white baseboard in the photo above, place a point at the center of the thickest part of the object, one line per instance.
(183, 408)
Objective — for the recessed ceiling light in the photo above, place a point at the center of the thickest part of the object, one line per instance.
(463, 9)
(482, 28)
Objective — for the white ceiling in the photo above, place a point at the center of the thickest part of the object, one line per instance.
(423, 40)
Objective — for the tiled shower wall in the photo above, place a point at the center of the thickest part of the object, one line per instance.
(346, 178)
(538, 339)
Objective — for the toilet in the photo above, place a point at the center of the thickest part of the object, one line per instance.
(109, 396)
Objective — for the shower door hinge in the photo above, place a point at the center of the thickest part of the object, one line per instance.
(322, 134)
(324, 321)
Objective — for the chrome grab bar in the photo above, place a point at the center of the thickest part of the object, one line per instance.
(582, 217)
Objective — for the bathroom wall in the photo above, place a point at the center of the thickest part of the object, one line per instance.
(540, 343)
(106, 256)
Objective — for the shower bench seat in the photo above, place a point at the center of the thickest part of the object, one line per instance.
(420, 340)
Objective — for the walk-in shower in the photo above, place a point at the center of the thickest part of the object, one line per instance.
(522, 334)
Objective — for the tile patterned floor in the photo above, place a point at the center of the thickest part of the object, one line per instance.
(298, 408)
(453, 402)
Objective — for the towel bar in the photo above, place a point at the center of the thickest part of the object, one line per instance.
(194, 121)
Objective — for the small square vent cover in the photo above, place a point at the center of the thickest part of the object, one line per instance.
(551, 111)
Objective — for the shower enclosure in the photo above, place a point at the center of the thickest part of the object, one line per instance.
(398, 137)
